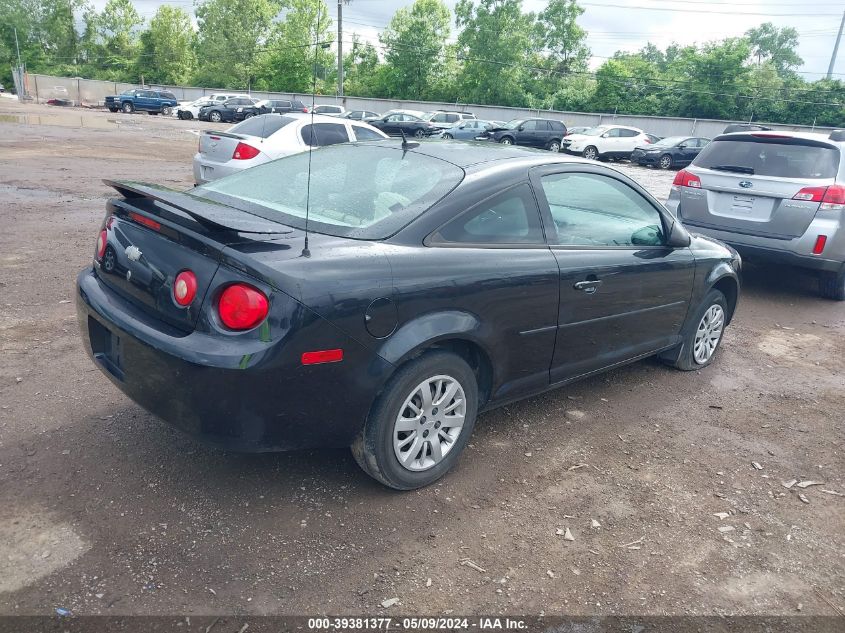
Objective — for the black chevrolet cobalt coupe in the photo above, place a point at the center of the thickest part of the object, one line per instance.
(436, 280)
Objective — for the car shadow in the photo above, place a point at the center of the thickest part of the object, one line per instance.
(779, 282)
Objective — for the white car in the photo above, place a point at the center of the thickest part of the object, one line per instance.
(605, 141)
(330, 110)
(266, 137)
(190, 109)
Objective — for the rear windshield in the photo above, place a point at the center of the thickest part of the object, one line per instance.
(771, 157)
(262, 126)
(358, 191)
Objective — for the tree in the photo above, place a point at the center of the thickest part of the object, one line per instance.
(361, 68)
(290, 61)
(563, 40)
(778, 45)
(629, 84)
(414, 42)
(231, 35)
(167, 47)
(495, 45)
(715, 80)
(117, 31)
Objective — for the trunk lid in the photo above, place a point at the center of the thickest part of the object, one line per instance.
(748, 183)
(153, 234)
(219, 146)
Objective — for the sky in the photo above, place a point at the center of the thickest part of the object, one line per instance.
(629, 24)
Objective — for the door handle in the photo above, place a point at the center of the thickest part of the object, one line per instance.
(588, 286)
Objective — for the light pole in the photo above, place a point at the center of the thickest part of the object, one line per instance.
(340, 46)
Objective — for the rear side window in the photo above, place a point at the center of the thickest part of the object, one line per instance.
(771, 157)
(168, 95)
(262, 126)
(321, 134)
(557, 126)
(511, 217)
(366, 134)
(361, 191)
(628, 133)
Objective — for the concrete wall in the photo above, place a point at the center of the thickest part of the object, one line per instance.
(93, 92)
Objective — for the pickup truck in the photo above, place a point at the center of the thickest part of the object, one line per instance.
(152, 101)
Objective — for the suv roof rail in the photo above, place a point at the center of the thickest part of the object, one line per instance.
(837, 135)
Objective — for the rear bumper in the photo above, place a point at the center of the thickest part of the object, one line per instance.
(248, 395)
(762, 249)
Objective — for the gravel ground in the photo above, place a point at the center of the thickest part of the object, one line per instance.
(670, 483)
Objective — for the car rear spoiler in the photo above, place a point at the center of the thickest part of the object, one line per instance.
(237, 137)
(209, 213)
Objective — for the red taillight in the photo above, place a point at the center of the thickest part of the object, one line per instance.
(242, 307)
(647, 141)
(101, 244)
(821, 242)
(322, 356)
(834, 198)
(305, 110)
(685, 179)
(142, 219)
(185, 288)
(245, 152)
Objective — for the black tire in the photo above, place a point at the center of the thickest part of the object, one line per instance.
(590, 152)
(686, 360)
(665, 162)
(448, 136)
(249, 115)
(128, 108)
(419, 133)
(832, 285)
(167, 110)
(507, 140)
(215, 117)
(554, 146)
(373, 448)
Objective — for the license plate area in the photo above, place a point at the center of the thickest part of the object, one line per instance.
(106, 348)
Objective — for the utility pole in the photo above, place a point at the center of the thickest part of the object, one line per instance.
(836, 48)
(340, 48)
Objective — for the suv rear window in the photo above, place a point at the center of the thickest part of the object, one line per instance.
(358, 191)
(781, 158)
(262, 126)
(167, 95)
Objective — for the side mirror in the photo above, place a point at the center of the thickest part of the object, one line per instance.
(606, 135)
(682, 146)
(521, 128)
(678, 236)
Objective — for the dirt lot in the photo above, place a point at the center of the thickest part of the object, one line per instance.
(104, 509)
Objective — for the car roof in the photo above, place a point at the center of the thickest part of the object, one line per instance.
(476, 156)
(317, 118)
(809, 136)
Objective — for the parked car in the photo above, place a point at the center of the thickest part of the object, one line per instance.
(672, 151)
(2, 88)
(225, 111)
(468, 130)
(444, 119)
(330, 110)
(271, 106)
(360, 115)
(580, 129)
(652, 138)
(397, 123)
(383, 336)
(774, 196)
(152, 101)
(266, 137)
(605, 141)
(745, 127)
(190, 110)
(543, 133)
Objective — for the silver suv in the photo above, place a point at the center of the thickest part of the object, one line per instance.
(776, 196)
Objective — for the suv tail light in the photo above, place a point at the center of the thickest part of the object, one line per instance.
(832, 198)
(245, 152)
(686, 179)
(102, 240)
(242, 307)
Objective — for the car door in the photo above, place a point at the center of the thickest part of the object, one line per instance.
(144, 100)
(508, 275)
(628, 140)
(609, 142)
(390, 123)
(623, 293)
(686, 151)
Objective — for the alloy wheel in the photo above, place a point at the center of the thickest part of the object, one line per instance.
(215, 117)
(665, 161)
(590, 153)
(554, 147)
(429, 423)
(419, 133)
(506, 141)
(709, 334)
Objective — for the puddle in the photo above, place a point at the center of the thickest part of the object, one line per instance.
(33, 545)
(66, 120)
